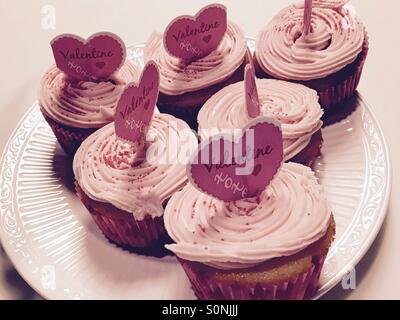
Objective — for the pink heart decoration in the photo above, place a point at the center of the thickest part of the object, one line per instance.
(250, 88)
(307, 16)
(207, 39)
(190, 38)
(100, 64)
(219, 166)
(136, 105)
(94, 59)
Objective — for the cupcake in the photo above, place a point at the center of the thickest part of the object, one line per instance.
(329, 59)
(295, 106)
(125, 194)
(272, 246)
(75, 108)
(186, 86)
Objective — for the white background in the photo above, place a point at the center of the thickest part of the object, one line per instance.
(25, 55)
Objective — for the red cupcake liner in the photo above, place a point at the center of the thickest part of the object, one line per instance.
(138, 234)
(121, 227)
(69, 138)
(334, 90)
(302, 287)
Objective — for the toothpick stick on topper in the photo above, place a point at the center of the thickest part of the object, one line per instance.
(233, 169)
(250, 86)
(136, 106)
(249, 56)
(193, 37)
(307, 16)
(93, 59)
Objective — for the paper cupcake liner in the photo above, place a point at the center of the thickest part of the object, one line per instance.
(69, 138)
(138, 234)
(121, 227)
(310, 154)
(188, 114)
(332, 99)
(302, 286)
(346, 109)
(335, 90)
(188, 105)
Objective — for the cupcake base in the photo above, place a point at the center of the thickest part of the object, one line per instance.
(334, 89)
(309, 154)
(187, 106)
(345, 109)
(69, 138)
(157, 250)
(122, 228)
(287, 278)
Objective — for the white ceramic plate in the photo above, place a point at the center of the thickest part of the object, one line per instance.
(58, 249)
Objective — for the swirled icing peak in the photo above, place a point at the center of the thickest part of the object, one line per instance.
(295, 106)
(177, 77)
(107, 169)
(288, 216)
(330, 3)
(83, 104)
(335, 40)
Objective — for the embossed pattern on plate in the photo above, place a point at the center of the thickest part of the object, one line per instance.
(59, 251)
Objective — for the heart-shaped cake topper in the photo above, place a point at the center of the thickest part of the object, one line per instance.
(307, 16)
(191, 38)
(250, 89)
(94, 59)
(233, 169)
(136, 105)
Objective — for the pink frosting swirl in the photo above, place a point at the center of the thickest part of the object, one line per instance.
(178, 78)
(107, 170)
(335, 40)
(83, 104)
(291, 214)
(295, 106)
(330, 3)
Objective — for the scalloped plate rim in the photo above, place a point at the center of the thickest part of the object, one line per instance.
(381, 216)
